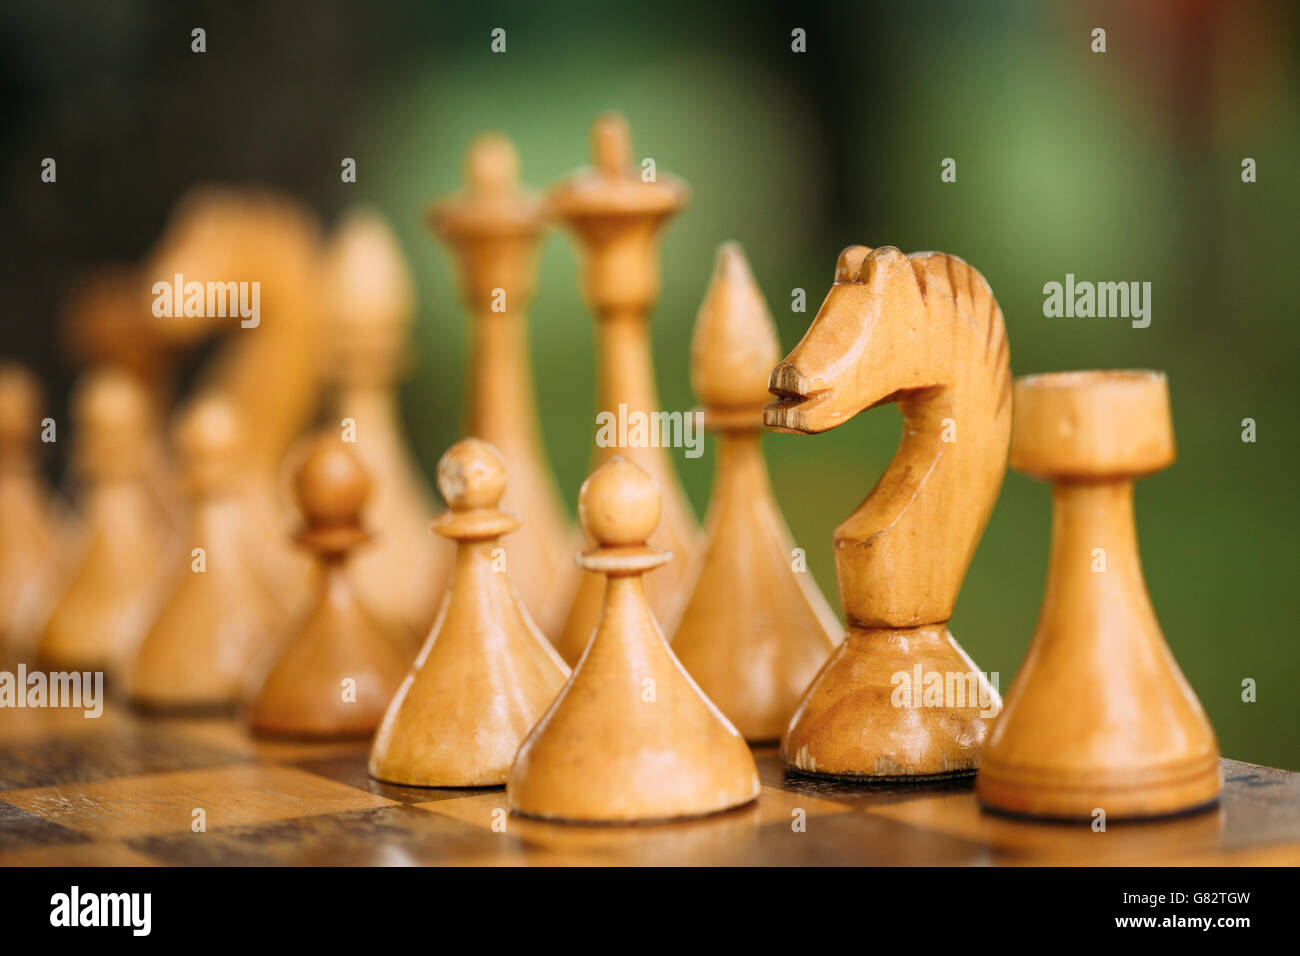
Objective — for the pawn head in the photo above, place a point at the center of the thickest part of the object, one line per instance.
(331, 485)
(209, 438)
(112, 411)
(471, 475)
(111, 399)
(619, 504)
(208, 430)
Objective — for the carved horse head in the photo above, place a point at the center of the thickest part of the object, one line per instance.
(923, 331)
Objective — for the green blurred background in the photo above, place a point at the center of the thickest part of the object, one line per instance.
(1122, 166)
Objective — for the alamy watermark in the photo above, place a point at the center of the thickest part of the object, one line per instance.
(1102, 300)
(624, 429)
(62, 689)
(214, 300)
(918, 688)
(133, 911)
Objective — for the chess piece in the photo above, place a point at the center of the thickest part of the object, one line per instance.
(399, 576)
(29, 522)
(219, 615)
(486, 674)
(925, 331)
(494, 228)
(116, 586)
(1099, 715)
(341, 670)
(616, 218)
(107, 320)
(753, 632)
(631, 737)
(251, 248)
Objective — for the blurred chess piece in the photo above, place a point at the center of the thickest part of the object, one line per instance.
(401, 573)
(486, 674)
(341, 670)
(219, 617)
(753, 632)
(631, 736)
(105, 321)
(128, 544)
(30, 572)
(261, 252)
(494, 227)
(1099, 715)
(616, 217)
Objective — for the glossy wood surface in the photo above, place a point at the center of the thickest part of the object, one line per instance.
(616, 217)
(400, 573)
(494, 228)
(341, 666)
(923, 331)
(631, 736)
(752, 631)
(486, 673)
(1100, 717)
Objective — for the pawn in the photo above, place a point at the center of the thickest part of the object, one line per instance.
(1099, 715)
(486, 674)
(219, 616)
(120, 576)
(29, 526)
(107, 320)
(341, 670)
(753, 632)
(631, 737)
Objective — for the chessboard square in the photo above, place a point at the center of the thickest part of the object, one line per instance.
(1053, 843)
(1256, 811)
(84, 853)
(351, 769)
(121, 751)
(35, 722)
(853, 839)
(396, 835)
(700, 841)
(164, 803)
(20, 829)
(785, 806)
(233, 736)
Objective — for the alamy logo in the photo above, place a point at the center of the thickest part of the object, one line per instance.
(71, 689)
(919, 688)
(1102, 300)
(213, 300)
(655, 430)
(75, 908)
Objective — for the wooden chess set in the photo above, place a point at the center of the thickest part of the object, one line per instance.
(291, 665)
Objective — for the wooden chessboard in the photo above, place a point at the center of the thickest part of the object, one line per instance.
(123, 790)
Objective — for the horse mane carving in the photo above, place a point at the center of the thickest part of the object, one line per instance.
(924, 331)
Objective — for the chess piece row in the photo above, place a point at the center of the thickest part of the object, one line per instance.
(922, 330)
